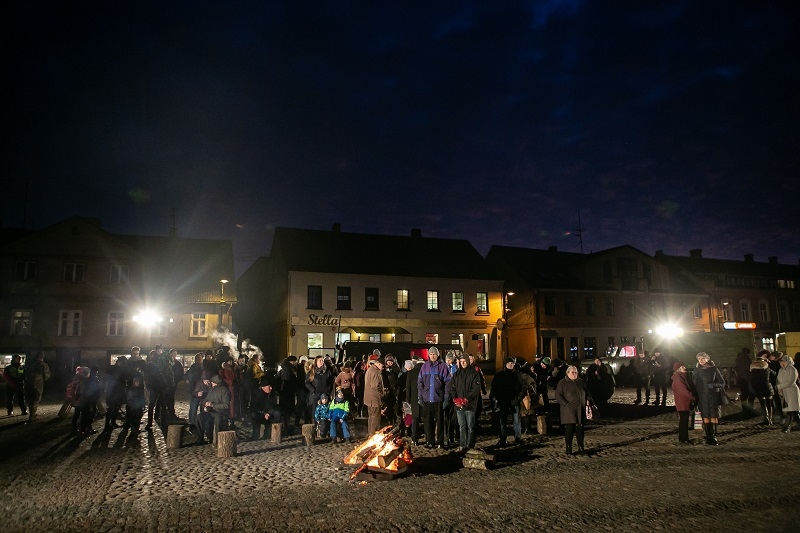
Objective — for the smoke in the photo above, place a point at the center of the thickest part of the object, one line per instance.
(224, 337)
(249, 349)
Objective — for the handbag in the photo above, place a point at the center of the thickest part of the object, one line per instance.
(526, 402)
(591, 412)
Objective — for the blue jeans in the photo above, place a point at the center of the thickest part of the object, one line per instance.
(194, 405)
(345, 429)
(466, 424)
(504, 410)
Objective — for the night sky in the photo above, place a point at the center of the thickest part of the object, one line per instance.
(668, 125)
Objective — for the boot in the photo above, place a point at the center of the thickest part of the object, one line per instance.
(569, 448)
(712, 434)
(579, 435)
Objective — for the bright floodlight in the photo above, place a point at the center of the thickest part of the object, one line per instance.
(669, 331)
(148, 318)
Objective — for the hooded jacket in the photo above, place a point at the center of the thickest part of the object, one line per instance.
(433, 380)
(787, 385)
(760, 382)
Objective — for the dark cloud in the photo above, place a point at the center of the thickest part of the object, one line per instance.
(668, 125)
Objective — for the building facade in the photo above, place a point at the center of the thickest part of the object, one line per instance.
(318, 289)
(85, 296)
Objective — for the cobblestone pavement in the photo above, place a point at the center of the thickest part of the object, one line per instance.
(635, 477)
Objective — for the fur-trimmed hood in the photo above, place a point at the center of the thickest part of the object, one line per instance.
(759, 364)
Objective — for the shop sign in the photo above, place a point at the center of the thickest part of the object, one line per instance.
(324, 320)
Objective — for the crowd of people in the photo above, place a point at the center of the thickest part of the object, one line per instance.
(437, 401)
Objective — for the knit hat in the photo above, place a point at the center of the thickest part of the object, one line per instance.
(433, 350)
(509, 360)
(546, 360)
(677, 366)
(216, 379)
(323, 396)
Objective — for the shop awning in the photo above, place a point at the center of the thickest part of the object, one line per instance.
(377, 330)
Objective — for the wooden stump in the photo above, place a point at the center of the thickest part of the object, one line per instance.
(226, 444)
(478, 459)
(541, 424)
(307, 431)
(174, 436)
(275, 433)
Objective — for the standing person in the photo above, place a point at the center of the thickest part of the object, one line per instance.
(661, 376)
(154, 379)
(345, 380)
(685, 399)
(450, 421)
(746, 396)
(508, 391)
(572, 396)
(434, 376)
(761, 385)
(134, 389)
(36, 374)
(542, 369)
(601, 382)
(390, 376)
(465, 390)
(191, 378)
(402, 410)
(374, 393)
(115, 393)
(777, 402)
(319, 382)
(87, 401)
(229, 374)
(322, 415)
(642, 372)
(710, 385)
(789, 392)
(177, 376)
(287, 386)
(14, 375)
(412, 397)
(477, 368)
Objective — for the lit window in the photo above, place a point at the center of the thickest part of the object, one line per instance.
(402, 300)
(458, 301)
(198, 325)
(314, 340)
(21, 322)
(483, 302)
(433, 301)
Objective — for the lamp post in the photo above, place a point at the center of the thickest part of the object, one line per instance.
(505, 320)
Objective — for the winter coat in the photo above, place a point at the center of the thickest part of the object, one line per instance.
(433, 380)
(683, 391)
(36, 373)
(322, 412)
(466, 383)
(320, 383)
(709, 384)
(412, 388)
(346, 380)
(89, 392)
(529, 386)
(192, 376)
(255, 372)
(571, 396)
(507, 388)
(787, 385)
(220, 398)
(14, 376)
(115, 386)
(339, 408)
(760, 382)
(373, 387)
(288, 378)
(263, 403)
(642, 366)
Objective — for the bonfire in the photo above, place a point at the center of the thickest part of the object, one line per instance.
(384, 453)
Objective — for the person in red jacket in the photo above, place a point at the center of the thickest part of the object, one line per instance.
(685, 399)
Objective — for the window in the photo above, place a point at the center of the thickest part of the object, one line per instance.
(73, 272)
(609, 304)
(550, 305)
(314, 300)
(433, 301)
(433, 338)
(651, 306)
(744, 309)
(119, 274)
(314, 340)
(631, 308)
(697, 311)
(482, 302)
(628, 271)
(611, 342)
(569, 309)
(69, 324)
(160, 329)
(402, 300)
(457, 339)
(458, 301)
(590, 306)
(763, 311)
(783, 311)
(343, 298)
(768, 343)
(26, 271)
(21, 322)
(726, 312)
(786, 283)
(374, 337)
(589, 347)
(198, 325)
(371, 299)
(573, 348)
(116, 323)
(684, 308)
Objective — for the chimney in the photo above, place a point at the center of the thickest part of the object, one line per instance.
(416, 232)
(773, 259)
(552, 248)
(748, 258)
(337, 228)
(697, 253)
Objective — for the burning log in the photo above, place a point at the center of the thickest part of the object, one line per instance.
(383, 453)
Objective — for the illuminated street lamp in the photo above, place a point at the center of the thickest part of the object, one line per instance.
(222, 283)
(149, 319)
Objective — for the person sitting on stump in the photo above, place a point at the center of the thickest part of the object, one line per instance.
(264, 408)
(216, 409)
